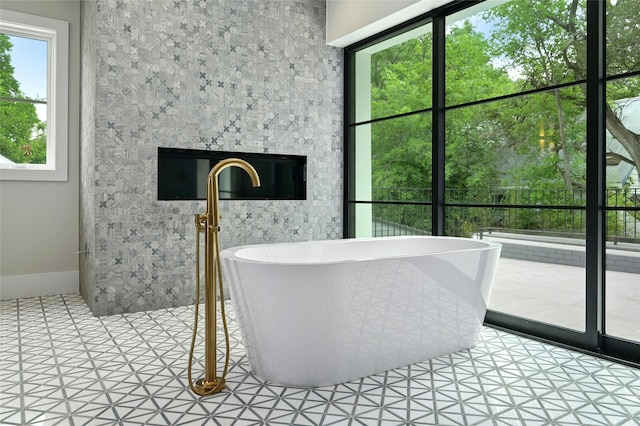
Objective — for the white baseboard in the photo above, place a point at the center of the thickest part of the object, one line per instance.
(35, 285)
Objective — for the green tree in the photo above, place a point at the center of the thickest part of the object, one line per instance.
(401, 83)
(22, 133)
(473, 134)
(546, 41)
(623, 56)
(545, 156)
(535, 142)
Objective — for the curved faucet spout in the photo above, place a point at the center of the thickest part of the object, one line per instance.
(229, 162)
(212, 185)
(210, 224)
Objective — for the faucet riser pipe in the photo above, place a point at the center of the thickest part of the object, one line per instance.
(209, 223)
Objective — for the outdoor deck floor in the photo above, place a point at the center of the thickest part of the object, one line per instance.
(555, 294)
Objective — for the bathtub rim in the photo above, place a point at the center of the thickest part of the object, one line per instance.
(231, 253)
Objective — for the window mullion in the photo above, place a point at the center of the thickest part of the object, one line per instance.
(595, 220)
(438, 126)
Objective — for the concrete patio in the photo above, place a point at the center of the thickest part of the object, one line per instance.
(555, 293)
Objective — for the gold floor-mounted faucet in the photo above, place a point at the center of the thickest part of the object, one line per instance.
(209, 223)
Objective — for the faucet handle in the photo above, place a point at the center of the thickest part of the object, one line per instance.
(201, 221)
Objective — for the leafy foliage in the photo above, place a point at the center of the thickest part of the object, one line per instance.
(497, 151)
(401, 83)
(22, 133)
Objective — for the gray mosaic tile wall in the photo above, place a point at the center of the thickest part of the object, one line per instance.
(87, 148)
(251, 76)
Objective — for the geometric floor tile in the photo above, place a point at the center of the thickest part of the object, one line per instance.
(59, 365)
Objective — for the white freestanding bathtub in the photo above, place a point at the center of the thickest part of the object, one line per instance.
(325, 312)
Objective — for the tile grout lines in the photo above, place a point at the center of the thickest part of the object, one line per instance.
(21, 370)
(93, 364)
(53, 350)
(64, 366)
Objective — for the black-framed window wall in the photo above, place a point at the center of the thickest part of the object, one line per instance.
(490, 122)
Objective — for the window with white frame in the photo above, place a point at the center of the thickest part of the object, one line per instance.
(33, 97)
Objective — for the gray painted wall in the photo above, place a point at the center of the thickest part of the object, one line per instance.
(252, 76)
(39, 220)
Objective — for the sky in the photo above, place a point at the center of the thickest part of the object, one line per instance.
(29, 60)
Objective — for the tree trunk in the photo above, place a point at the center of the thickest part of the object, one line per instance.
(628, 139)
(565, 151)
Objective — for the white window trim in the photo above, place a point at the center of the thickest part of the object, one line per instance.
(56, 33)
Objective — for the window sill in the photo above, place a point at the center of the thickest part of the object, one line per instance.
(31, 173)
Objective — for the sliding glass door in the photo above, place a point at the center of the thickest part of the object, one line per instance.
(622, 123)
(515, 151)
(499, 120)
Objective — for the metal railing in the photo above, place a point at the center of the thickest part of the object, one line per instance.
(552, 212)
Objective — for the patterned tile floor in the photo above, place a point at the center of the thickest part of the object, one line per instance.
(60, 365)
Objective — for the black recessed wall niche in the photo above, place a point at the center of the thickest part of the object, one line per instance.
(182, 175)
